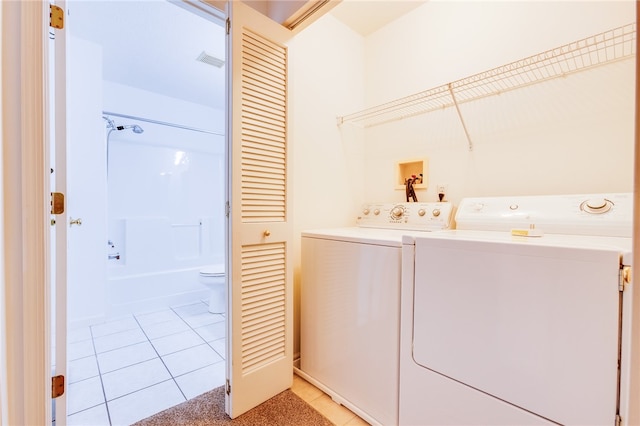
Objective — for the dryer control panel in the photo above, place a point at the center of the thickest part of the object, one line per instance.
(608, 215)
(413, 216)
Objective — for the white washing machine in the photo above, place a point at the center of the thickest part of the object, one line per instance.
(520, 316)
(350, 305)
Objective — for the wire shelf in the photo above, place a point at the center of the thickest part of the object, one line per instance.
(600, 49)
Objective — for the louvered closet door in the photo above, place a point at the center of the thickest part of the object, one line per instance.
(261, 328)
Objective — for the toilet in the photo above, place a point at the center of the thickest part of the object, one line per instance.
(213, 276)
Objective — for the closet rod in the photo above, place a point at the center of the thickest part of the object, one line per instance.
(162, 123)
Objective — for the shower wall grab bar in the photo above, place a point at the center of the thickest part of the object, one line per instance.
(163, 123)
(600, 49)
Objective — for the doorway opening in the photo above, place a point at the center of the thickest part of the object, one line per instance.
(146, 174)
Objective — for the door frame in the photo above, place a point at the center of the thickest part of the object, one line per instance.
(26, 299)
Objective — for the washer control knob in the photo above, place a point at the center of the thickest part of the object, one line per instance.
(397, 212)
(421, 212)
(376, 212)
(478, 206)
(365, 211)
(513, 207)
(436, 212)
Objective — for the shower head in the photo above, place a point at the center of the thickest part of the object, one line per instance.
(111, 125)
(134, 127)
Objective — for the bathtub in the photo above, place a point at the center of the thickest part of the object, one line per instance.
(154, 262)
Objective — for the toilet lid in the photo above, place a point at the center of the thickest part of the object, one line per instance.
(213, 270)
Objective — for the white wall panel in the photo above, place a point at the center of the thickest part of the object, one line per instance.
(569, 135)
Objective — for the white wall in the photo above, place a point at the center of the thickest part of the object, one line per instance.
(326, 72)
(129, 100)
(86, 195)
(570, 135)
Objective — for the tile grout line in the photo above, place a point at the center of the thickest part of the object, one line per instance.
(224, 318)
(161, 360)
(95, 354)
(104, 394)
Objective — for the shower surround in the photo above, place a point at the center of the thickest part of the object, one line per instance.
(165, 215)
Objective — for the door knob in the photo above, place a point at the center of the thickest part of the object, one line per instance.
(73, 221)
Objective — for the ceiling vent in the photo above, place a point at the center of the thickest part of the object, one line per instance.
(211, 60)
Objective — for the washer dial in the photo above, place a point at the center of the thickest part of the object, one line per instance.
(397, 212)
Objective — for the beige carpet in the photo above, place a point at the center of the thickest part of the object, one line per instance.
(284, 409)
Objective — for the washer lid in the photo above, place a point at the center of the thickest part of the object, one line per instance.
(213, 270)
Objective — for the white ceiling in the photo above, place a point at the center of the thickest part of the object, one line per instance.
(153, 44)
(367, 16)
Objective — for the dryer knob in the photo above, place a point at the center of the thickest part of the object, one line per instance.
(365, 211)
(436, 212)
(421, 212)
(596, 205)
(376, 212)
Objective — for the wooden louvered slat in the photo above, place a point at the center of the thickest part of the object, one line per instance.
(272, 157)
(263, 121)
(263, 76)
(266, 319)
(273, 61)
(263, 303)
(255, 156)
(259, 185)
(264, 105)
(255, 97)
(267, 58)
(270, 174)
(263, 112)
(264, 128)
(266, 188)
(271, 55)
(251, 135)
(262, 92)
(258, 110)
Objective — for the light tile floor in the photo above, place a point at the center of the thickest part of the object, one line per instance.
(336, 413)
(130, 368)
(127, 369)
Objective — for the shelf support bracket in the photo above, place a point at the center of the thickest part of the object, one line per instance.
(464, 126)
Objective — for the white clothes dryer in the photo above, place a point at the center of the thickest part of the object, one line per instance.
(520, 315)
(350, 305)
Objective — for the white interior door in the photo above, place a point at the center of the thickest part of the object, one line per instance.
(260, 330)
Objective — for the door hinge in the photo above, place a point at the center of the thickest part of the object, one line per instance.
(56, 17)
(618, 420)
(228, 26)
(57, 386)
(227, 209)
(624, 277)
(228, 387)
(57, 203)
